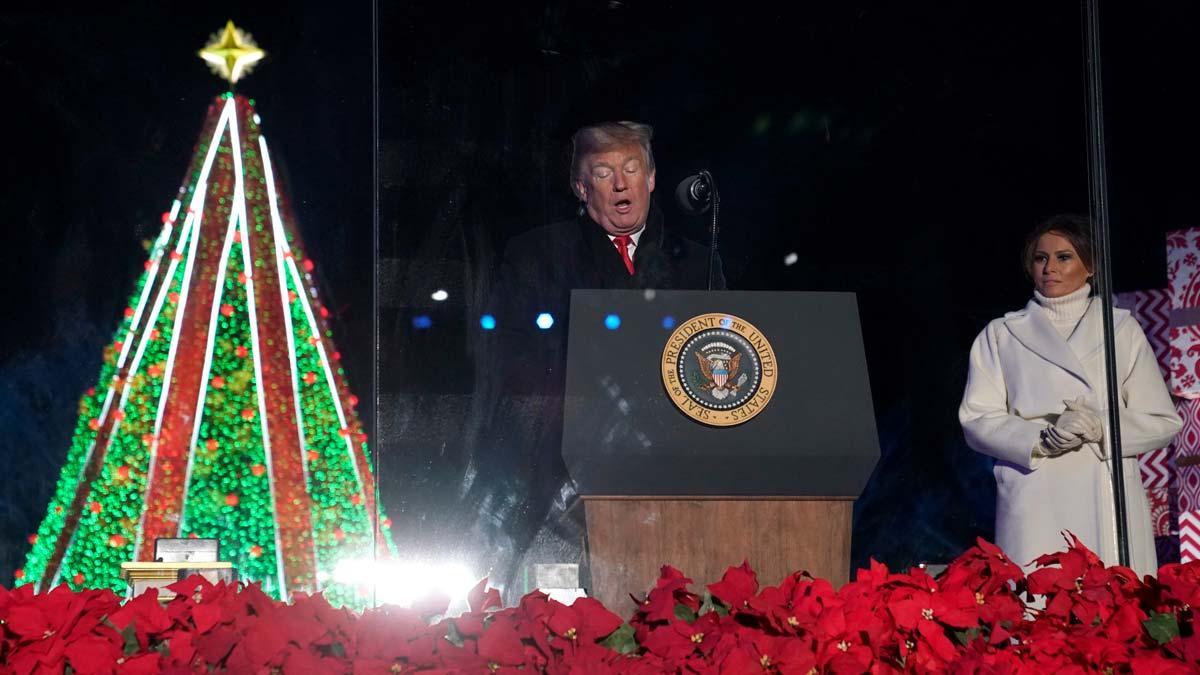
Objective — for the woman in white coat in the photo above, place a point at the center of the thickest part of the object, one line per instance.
(1035, 401)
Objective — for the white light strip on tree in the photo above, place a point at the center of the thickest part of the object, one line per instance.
(285, 305)
(332, 383)
(239, 204)
(194, 220)
(206, 369)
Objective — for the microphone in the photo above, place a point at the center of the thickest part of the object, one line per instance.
(694, 194)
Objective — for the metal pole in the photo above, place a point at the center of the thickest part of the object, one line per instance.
(375, 206)
(1098, 180)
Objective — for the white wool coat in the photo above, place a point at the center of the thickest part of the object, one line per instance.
(1021, 371)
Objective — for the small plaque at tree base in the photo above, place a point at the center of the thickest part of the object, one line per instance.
(142, 576)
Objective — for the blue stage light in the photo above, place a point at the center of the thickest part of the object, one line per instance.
(668, 322)
(612, 322)
(545, 320)
(421, 322)
(487, 322)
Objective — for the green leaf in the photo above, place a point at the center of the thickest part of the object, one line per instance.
(621, 640)
(710, 604)
(337, 650)
(685, 613)
(129, 636)
(1162, 627)
(965, 637)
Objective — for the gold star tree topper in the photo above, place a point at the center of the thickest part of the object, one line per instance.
(231, 53)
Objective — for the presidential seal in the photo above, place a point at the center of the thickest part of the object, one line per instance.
(719, 370)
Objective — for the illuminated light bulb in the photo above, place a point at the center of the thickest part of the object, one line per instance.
(544, 320)
(791, 259)
(421, 322)
(668, 322)
(612, 322)
(487, 322)
(439, 295)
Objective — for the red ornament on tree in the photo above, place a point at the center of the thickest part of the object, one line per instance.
(231, 499)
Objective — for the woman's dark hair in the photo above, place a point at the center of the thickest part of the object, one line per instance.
(1074, 228)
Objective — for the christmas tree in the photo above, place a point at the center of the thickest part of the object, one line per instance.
(221, 410)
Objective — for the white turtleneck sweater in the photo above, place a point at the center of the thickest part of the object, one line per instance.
(1066, 311)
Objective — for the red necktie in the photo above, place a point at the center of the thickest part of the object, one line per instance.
(622, 242)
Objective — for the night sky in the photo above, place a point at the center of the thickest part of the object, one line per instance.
(902, 151)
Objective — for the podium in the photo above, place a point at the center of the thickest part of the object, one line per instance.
(671, 474)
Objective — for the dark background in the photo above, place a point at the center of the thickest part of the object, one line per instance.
(901, 151)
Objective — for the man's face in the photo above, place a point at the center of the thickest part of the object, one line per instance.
(616, 186)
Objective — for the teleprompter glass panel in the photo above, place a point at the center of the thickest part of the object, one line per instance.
(900, 154)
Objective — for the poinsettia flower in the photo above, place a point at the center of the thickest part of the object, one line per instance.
(481, 598)
(148, 663)
(501, 643)
(669, 591)
(585, 620)
(93, 654)
(1180, 583)
(146, 614)
(736, 586)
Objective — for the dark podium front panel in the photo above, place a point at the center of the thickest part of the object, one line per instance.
(622, 435)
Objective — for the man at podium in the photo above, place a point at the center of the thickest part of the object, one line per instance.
(619, 239)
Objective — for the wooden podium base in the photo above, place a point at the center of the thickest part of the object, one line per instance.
(631, 538)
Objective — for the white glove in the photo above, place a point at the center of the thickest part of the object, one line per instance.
(1080, 420)
(1055, 441)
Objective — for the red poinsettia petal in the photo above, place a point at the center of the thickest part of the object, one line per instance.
(907, 613)
(149, 663)
(217, 643)
(595, 619)
(93, 654)
(481, 598)
(28, 622)
(736, 586)
(935, 637)
(501, 643)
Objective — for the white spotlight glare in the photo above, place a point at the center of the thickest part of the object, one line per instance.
(439, 295)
